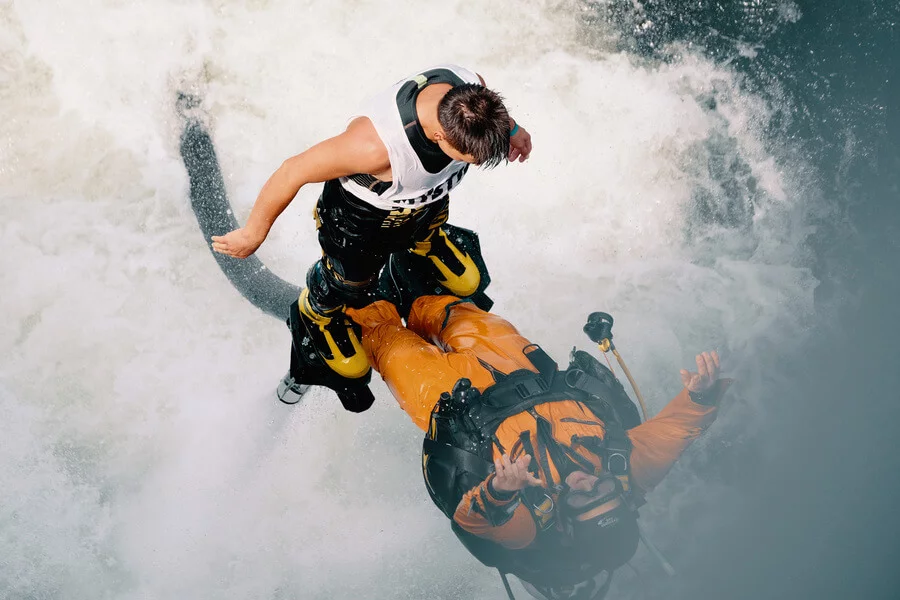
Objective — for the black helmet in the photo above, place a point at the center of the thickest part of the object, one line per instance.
(601, 521)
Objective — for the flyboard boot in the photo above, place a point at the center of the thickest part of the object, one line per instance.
(451, 265)
(309, 365)
(325, 346)
(335, 338)
(326, 349)
(448, 262)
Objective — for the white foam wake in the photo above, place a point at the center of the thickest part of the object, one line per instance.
(143, 456)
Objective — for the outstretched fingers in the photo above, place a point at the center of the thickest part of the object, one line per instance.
(238, 243)
(707, 372)
(219, 245)
(701, 367)
(686, 378)
(522, 465)
(711, 364)
(512, 475)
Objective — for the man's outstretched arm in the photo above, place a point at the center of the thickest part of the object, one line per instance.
(356, 150)
(658, 442)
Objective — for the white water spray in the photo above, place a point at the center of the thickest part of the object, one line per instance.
(143, 454)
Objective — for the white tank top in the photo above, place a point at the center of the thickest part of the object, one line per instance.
(413, 186)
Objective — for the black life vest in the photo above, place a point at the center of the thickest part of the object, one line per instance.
(458, 455)
(430, 154)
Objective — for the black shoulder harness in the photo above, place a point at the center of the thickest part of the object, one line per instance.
(429, 153)
(458, 448)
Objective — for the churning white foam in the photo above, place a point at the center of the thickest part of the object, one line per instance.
(143, 454)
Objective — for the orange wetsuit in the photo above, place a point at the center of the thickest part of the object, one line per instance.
(444, 341)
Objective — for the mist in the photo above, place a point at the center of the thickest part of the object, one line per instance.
(713, 178)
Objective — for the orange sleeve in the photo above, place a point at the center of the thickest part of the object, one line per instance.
(506, 522)
(658, 442)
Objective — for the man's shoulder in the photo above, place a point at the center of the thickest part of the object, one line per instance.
(366, 142)
(466, 74)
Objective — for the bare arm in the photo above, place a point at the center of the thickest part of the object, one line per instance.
(356, 150)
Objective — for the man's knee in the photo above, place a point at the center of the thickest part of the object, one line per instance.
(329, 288)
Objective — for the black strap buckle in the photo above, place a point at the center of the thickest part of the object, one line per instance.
(531, 387)
(618, 449)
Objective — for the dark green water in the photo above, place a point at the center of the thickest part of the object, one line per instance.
(816, 515)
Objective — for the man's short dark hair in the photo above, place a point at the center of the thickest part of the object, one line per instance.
(476, 122)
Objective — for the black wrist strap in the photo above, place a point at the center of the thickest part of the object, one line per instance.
(499, 494)
(705, 398)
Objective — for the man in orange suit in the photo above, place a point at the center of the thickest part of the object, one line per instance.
(540, 469)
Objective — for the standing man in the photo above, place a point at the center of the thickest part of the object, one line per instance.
(387, 182)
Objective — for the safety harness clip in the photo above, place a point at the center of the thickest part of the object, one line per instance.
(531, 387)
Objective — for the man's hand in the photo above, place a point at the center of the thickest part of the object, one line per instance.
(239, 243)
(513, 476)
(706, 375)
(520, 145)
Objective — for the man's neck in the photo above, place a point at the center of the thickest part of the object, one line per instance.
(427, 108)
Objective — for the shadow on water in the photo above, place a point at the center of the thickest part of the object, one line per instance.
(812, 511)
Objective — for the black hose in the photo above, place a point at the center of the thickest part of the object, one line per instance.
(265, 290)
(506, 585)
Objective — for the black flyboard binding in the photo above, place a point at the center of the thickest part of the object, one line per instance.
(408, 276)
(308, 369)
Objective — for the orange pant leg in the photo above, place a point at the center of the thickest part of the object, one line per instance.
(471, 331)
(415, 371)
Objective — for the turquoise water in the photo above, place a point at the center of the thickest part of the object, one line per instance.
(814, 514)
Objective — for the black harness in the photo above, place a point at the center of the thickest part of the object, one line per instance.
(458, 453)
